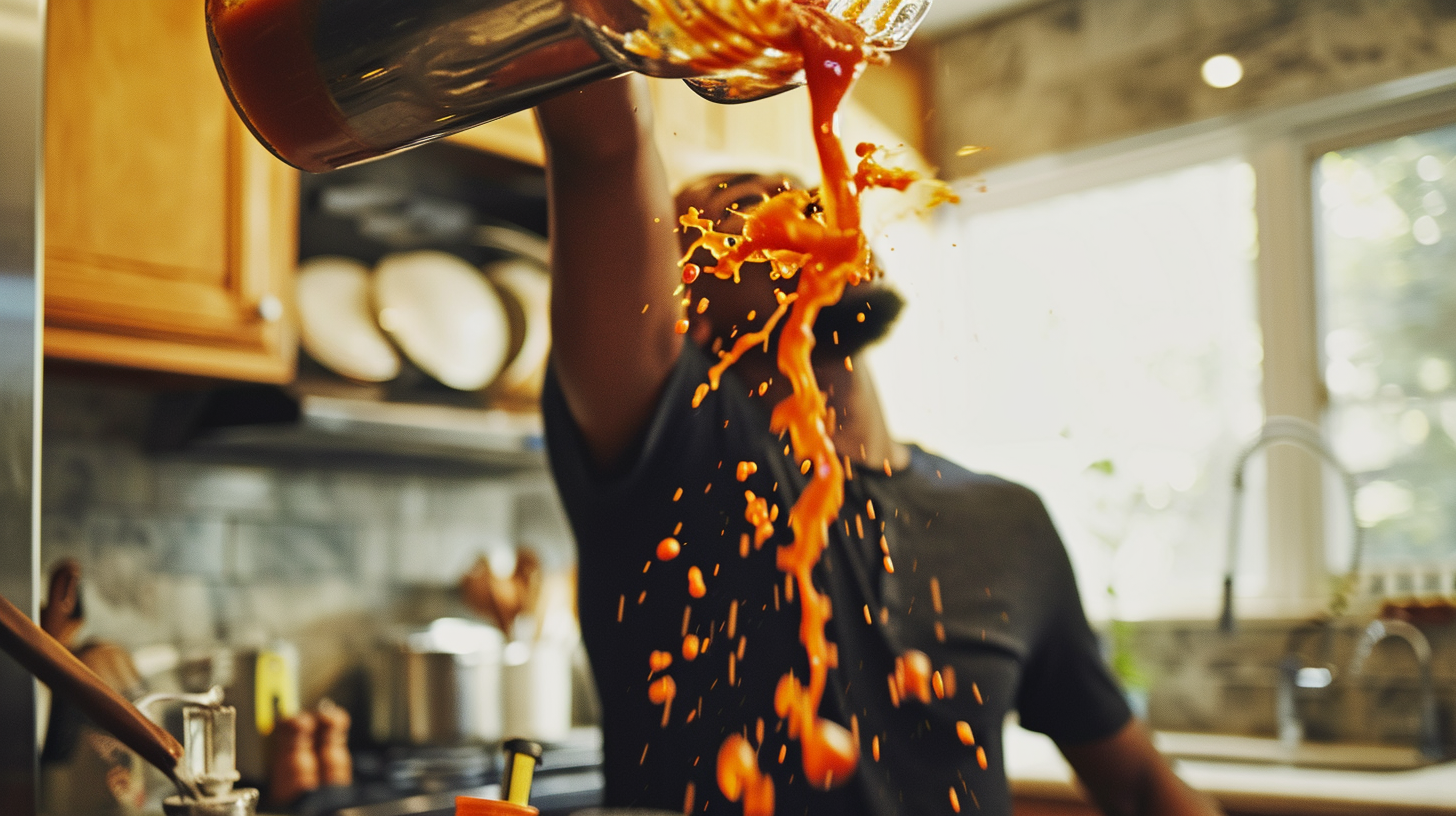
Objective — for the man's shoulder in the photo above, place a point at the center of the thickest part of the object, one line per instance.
(936, 470)
(968, 500)
(684, 433)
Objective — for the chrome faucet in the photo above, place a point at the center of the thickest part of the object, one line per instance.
(1295, 674)
(1429, 737)
(1305, 435)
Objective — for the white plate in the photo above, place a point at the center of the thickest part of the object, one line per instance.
(529, 285)
(337, 320)
(445, 316)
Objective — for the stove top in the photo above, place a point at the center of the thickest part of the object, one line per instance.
(424, 781)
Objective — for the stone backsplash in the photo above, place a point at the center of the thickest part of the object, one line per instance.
(197, 553)
(1054, 76)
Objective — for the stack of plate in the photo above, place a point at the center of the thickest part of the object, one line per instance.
(464, 327)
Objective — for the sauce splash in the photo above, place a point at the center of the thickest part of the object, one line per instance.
(818, 238)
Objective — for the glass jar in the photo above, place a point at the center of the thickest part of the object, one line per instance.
(324, 84)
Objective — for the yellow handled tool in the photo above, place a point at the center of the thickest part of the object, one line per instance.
(522, 757)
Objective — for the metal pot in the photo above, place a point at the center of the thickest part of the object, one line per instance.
(439, 686)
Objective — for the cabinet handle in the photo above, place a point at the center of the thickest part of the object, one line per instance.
(270, 308)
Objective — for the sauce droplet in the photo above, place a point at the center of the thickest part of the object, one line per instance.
(661, 692)
(740, 779)
(963, 730)
(912, 675)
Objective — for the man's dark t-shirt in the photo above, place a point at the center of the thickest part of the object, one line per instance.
(1010, 625)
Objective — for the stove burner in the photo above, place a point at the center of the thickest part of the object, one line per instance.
(438, 768)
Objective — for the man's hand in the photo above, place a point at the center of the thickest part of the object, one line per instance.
(613, 261)
(1126, 776)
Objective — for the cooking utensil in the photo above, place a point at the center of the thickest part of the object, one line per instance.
(324, 86)
(44, 656)
(263, 684)
(439, 686)
(62, 616)
(503, 599)
(537, 681)
(522, 757)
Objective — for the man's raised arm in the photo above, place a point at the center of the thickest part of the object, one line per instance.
(613, 261)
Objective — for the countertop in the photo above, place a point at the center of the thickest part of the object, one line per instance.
(1036, 769)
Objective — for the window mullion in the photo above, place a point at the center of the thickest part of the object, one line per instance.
(1292, 383)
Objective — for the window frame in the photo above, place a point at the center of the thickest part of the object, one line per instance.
(1281, 145)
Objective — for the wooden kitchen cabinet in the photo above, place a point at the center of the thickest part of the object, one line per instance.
(170, 233)
(514, 137)
(686, 127)
(698, 136)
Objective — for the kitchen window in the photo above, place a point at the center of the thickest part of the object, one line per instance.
(1384, 232)
(1114, 368)
(1111, 327)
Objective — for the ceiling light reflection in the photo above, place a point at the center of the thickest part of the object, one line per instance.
(1222, 71)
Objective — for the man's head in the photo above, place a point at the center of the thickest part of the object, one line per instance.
(862, 317)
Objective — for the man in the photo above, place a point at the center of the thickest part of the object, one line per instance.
(636, 463)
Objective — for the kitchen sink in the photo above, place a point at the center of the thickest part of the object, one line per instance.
(1341, 756)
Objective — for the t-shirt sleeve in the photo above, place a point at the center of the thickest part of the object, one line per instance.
(586, 487)
(1067, 691)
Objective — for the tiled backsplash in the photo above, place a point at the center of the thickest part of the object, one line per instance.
(1201, 679)
(196, 553)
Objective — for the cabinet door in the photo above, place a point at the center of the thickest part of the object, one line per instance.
(170, 233)
(697, 137)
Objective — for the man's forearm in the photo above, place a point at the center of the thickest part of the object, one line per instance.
(601, 122)
(1126, 776)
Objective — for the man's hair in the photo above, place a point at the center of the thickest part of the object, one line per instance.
(715, 194)
(858, 321)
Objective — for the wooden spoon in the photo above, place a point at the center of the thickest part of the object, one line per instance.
(502, 599)
(54, 665)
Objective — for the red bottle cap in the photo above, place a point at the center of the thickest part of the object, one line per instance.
(470, 806)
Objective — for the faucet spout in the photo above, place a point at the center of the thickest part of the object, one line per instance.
(1429, 738)
(1305, 435)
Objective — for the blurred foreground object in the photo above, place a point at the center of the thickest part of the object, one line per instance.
(85, 769)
